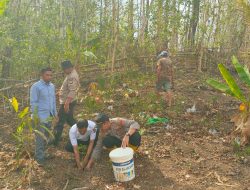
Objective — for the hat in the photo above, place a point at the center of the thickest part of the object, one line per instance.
(66, 64)
(162, 54)
(101, 118)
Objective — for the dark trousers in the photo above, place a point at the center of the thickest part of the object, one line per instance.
(70, 148)
(112, 141)
(64, 118)
(40, 141)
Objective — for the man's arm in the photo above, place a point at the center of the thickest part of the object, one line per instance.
(158, 72)
(133, 127)
(54, 105)
(172, 75)
(77, 157)
(73, 141)
(33, 99)
(96, 152)
(89, 151)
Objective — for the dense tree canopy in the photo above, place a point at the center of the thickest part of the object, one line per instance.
(42, 32)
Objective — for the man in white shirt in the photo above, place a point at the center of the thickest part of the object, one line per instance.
(84, 132)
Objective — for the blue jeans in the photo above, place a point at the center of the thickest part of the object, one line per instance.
(41, 142)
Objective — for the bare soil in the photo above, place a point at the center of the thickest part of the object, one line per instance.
(184, 156)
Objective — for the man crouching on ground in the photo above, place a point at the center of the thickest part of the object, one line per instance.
(115, 132)
(84, 132)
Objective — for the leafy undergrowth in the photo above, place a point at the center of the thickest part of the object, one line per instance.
(194, 152)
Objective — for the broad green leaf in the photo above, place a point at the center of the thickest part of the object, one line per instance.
(231, 83)
(17, 137)
(3, 6)
(220, 86)
(23, 113)
(242, 71)
(89, 54)
(41, 134)
(48, 131)
(19, 129)
(14, 104)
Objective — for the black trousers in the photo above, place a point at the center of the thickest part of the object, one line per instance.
(70, 148)
(64, 118)
(112, 141)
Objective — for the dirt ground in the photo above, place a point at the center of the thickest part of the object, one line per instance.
(196, 152)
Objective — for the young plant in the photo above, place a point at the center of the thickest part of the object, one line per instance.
(23, 135)
(241, 119)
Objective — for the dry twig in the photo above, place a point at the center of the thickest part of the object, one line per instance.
(66, 185)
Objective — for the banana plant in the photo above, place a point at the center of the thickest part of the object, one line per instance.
(230, 87)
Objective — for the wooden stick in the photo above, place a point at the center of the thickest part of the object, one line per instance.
(65, 187)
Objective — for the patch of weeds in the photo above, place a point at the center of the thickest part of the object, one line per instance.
(115, 80)
(101, 83)
(152, 97)
(236, 145)
(178, 107)
(217, 122)
(214, 99)
(132, 74)
(92, 105)
(242, 152)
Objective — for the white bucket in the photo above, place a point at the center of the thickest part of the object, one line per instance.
(123, 164)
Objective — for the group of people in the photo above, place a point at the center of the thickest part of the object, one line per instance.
(102, 133)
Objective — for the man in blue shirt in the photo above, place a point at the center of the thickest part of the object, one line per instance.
(43, 108)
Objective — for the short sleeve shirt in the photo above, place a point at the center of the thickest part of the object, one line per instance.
(90, 134)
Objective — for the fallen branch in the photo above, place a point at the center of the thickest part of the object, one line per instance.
(227, 185)
(66, 185)
(218, 177)
(203, 159)
(221, 183)
(80, 188)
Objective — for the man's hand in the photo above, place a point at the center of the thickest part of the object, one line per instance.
(85, 161)
(58, 93)
(66, 104)
(125, 141)
(90, 164)
(66, 107)
(79, 166)
(56, 119)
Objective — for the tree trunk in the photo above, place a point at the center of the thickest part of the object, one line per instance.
(160, 26)
(115, 13)
(194, 21)
(6, 60)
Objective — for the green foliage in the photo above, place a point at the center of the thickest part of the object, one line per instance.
(241, 152)
(3, 6)
(25, 129)
(14, 104)
(243, 72)
(231, 82)
(231, 88)
(89, 54)
(101, 83)
(220, 86)
(92, 105)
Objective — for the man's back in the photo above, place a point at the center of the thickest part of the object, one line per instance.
(165, 68)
